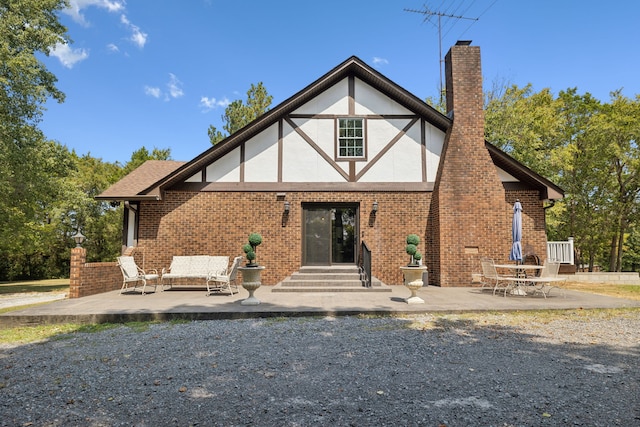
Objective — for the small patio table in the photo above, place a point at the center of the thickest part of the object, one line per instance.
(519, 277)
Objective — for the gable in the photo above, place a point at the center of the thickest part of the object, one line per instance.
(302, 146)
(295, 145)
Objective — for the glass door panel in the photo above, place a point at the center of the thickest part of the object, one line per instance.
(343, 232)
(317, 236)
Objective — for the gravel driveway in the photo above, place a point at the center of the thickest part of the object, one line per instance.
(347, 371)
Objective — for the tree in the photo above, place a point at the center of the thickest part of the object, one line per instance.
(238, 114)
(31, 167)
(141, 155)
(617, 131)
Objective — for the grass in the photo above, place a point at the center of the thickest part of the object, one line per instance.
(620, 291)
(54, 286)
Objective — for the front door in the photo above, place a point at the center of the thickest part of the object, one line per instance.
(330, 234)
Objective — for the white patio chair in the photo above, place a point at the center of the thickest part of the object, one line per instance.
(226, 280)
(548, 278)
(131, 273)
(491, 278)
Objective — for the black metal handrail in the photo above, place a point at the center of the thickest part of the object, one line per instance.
(365, 265)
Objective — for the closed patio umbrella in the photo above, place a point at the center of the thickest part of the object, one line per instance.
(516, 232)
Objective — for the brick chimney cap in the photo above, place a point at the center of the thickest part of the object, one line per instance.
(463, 42)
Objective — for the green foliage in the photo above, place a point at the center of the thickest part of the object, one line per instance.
(27, 27)
(413, 239)
(590, 149)
(255, 239)
(412, 248)
(32, 169)
(238, 114)
(140, 156)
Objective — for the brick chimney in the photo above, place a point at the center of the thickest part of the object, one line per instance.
(467, 218)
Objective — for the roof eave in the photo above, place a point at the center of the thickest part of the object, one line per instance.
(548, 190)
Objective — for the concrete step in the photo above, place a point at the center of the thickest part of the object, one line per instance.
(325, 276)
(328, 279)
(319, 282)
(330, 269)
(323, 289)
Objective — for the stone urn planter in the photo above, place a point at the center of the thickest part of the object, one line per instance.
(413, 281)
(251, 282)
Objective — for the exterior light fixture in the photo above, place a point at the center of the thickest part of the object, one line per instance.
(79, 238)
(287, 207)
(375, 207)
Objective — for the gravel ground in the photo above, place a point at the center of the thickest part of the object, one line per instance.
(347, 371)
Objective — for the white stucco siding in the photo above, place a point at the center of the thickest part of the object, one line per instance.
(402, 163)
(302, 163)
(197, 177)
(434, 143)
(321, 132)
(225, 169)
(370, 101)
(334, 100)
(506, 177)
(381, 132)
(261, 157)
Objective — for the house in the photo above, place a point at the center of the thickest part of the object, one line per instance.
(352, 158)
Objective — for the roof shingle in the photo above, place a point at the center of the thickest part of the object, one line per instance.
(140, 179)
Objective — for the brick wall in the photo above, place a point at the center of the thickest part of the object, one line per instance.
(467, 217)
(92, 278)
(218, 223)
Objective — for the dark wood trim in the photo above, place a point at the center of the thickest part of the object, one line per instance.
(317, 148)
(352, 171)
(242, 152)
(352, 95)
(280, 148)
(365, 116)
(282, 187)
(386, 148)
(423, 148)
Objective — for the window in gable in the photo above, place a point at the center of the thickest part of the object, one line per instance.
(351, 138)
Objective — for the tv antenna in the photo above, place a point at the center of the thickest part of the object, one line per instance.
(428, 14)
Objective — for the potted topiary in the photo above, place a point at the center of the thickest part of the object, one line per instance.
(412, 273)
(412, 249)
(251, 272)
(255, 239)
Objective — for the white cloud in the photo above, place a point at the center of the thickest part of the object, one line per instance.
(377, 61)
(138, 37)
(175, 86)
(67, 56)
(208, 104)
(153, 91)
(174, 89)
(113, 48)
(76, 7)
(76, 12)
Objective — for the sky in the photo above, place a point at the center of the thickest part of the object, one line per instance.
(157, 73)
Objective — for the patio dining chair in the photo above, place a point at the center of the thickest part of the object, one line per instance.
(131, 273)
(226, 280)
(548, 278)
(491, 278)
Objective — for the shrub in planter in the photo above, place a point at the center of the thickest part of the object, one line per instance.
(249, 249)
(412, 249)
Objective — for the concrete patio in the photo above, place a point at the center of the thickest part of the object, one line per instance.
(195, 305)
